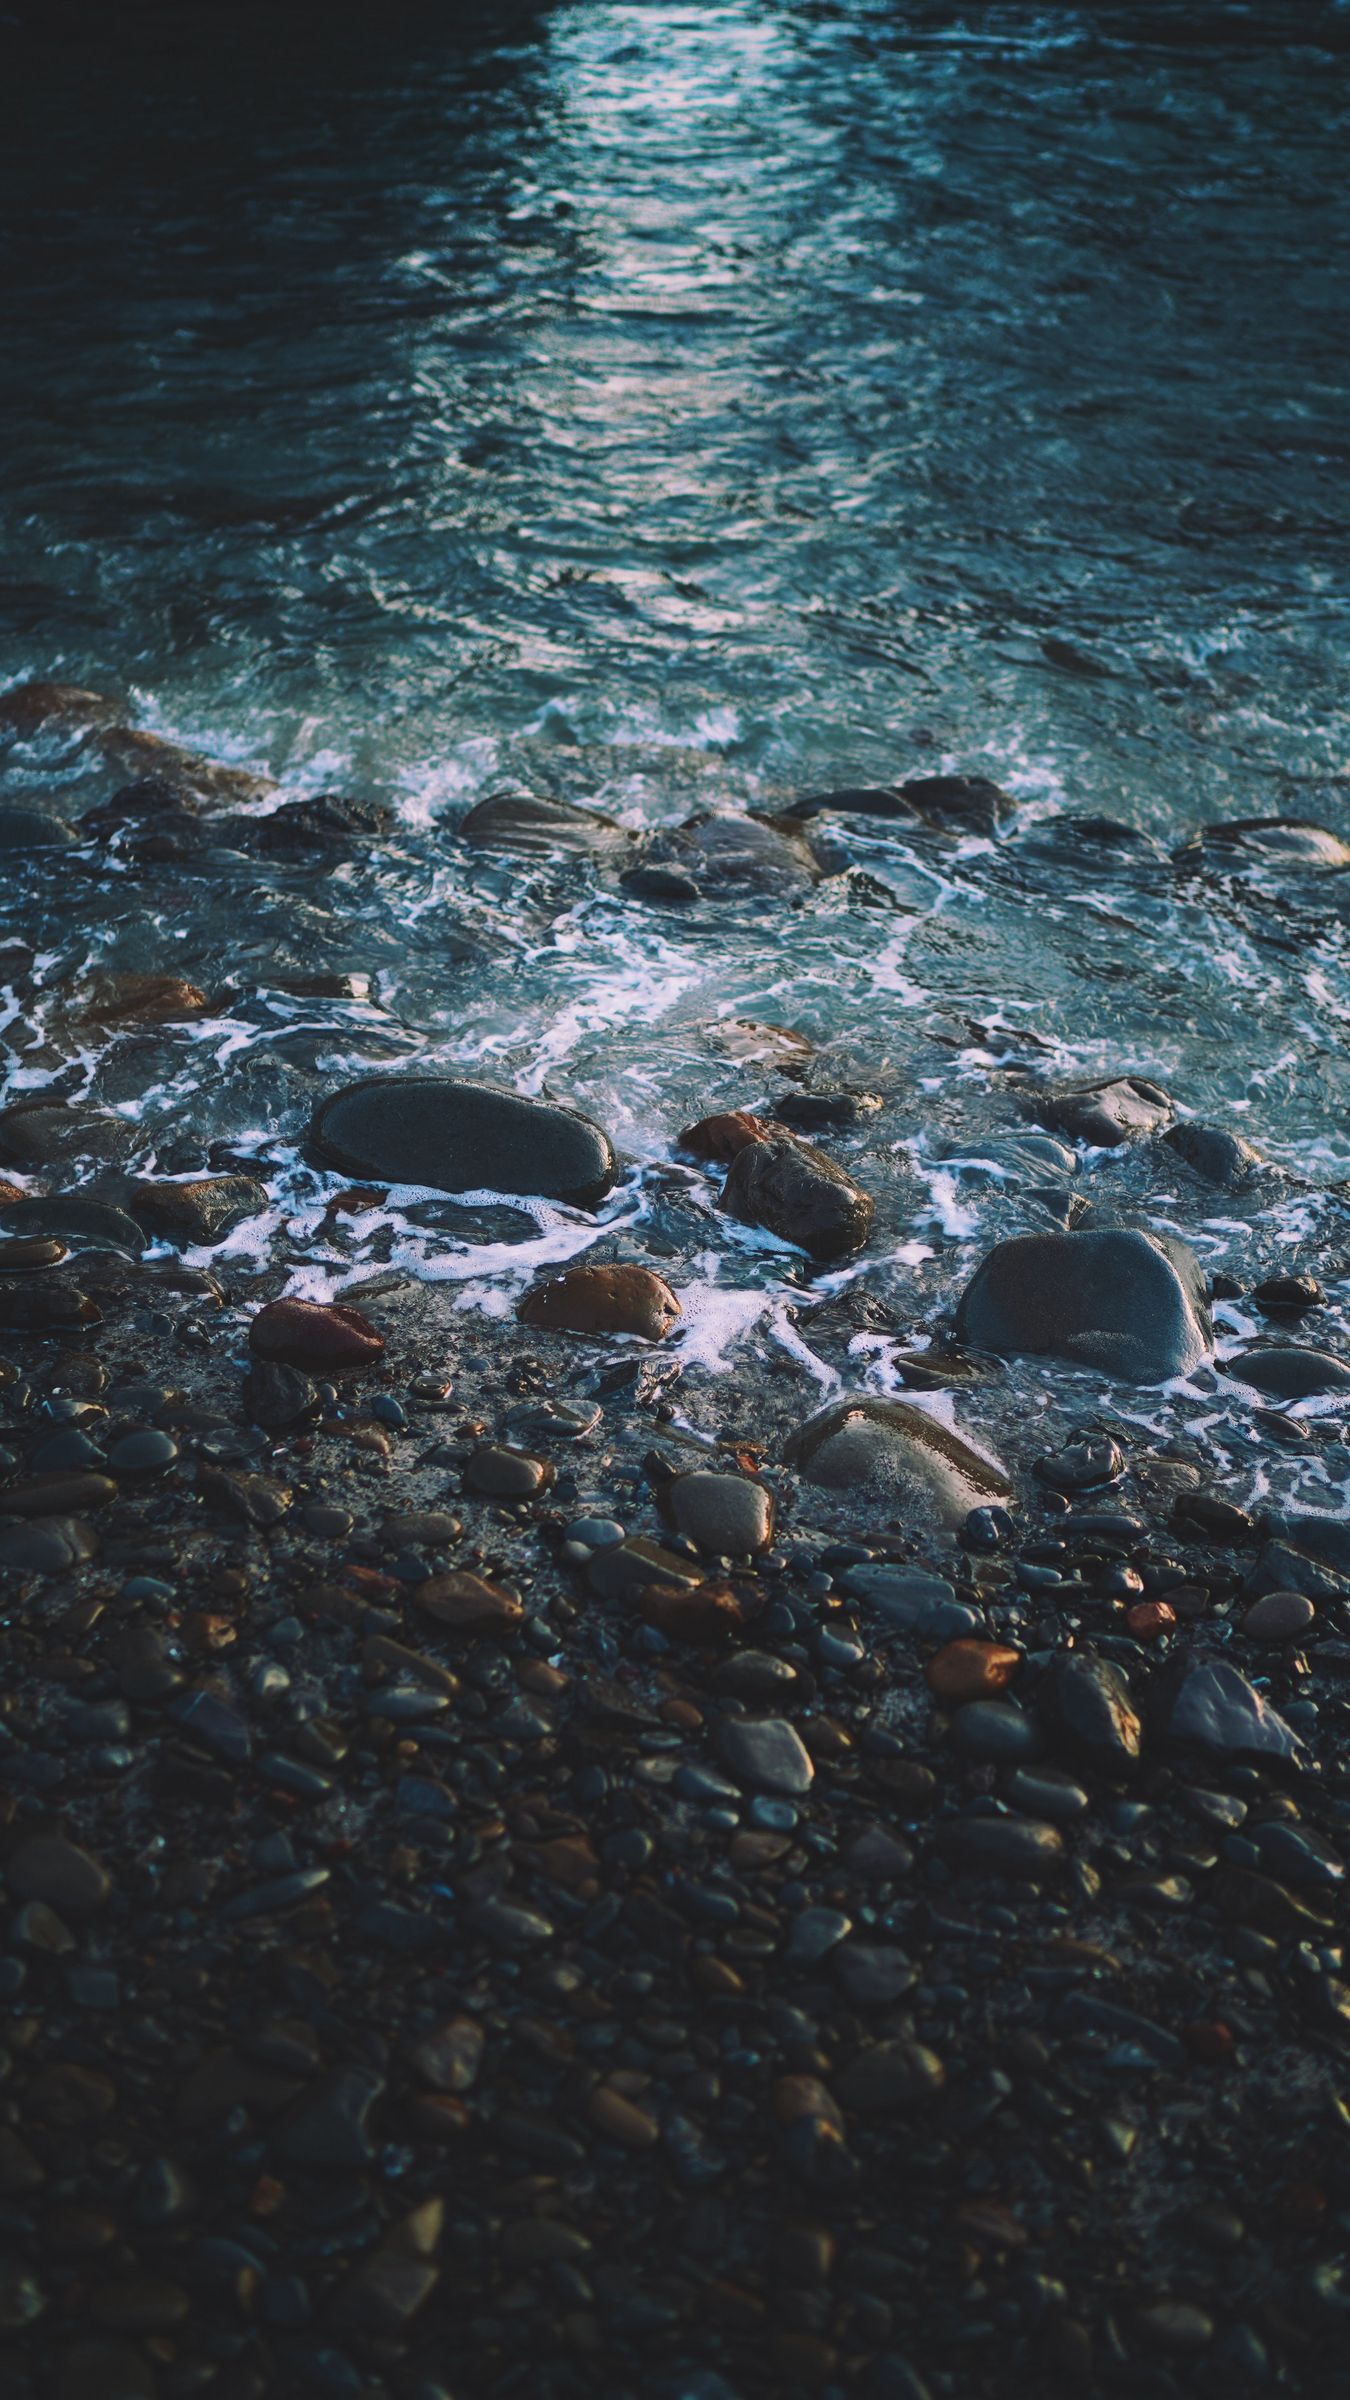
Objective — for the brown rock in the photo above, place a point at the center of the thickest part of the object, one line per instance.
(54, 1495)
(198, 1211)
(136, 753)
(795, 1191)
(603, 1300)
(620, 2119)
(467, 1604)
(709, 1614)
(717, 1140)
(145, 1000)
(305, 1333)
(26, 708)
(971, 1670)
(500, 1473)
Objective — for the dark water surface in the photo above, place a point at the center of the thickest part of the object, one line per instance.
(675, 406)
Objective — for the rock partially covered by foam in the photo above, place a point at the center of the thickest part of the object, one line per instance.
(899, 1454)
(461, 1137)
(1131, 1304)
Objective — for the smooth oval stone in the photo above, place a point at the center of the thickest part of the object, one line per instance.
(80, 1224)
(276, 1396)
(45, 1304)
(965, 1670)
(467, 1604)
(1048, 1792)
(1105, 1114)
(502, 1474)
(900, 1454)
(995, 1730)
(1289, 1371)
(1279, 1617)
(1017, 1846)
(1288, 1295)
(724, 1515)
(462, 1137)
(306, 1333)
(904, 1595)
(529, 826)
(44, 1495)
(26, 1256)
(603, 1300)
(46, 1546)
(148, 1451)
(1129, 1304)
(795, 1191)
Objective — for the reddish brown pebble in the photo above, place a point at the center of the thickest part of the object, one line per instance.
(970, 1670)
(720, 1139)
(1149, 1619)
(620, 2120)
(603, 1300)
(467, 1604)
(146, 1000)
(1210, 2042)
(304, 1333)
(707, 1614)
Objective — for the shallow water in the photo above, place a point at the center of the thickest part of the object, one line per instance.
(684, 406)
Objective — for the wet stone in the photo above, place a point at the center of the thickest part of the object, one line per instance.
(894, 1451)
(1287, 1371)
(724, 1515)
(795, 1191)
(903, 1595)
(1130, 1304)
(1020, 1847)
(605, 1300)
(1091, 1710)
(201, 1211)
(766, 1754)
(1102, 1114)
(1038, 1791)
(501, 1474)
(277, 1396)
(46, 1545)
(889, 2078)
(147, 1451)
(1213, 1153)
(995, 1730)
(329, 2127)
(49, 1868)
(305, 1333)
(459, 1137)
(529, 825)
(1214, 1707)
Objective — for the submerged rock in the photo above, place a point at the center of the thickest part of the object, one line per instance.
(81, 1224)
(24, 827)
(200, 1211)
(795, 1191)
(529, 826)
(1213, 1153)
(717, 1140)
(603, 1300)
(462, 1137)
(730, 853)
(952, 803)
(43, 1133)
(29, 708)
(1131, 1304)
(1289, 1370)
(1289, 842)
(1104, 1114)
(901, 1455)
